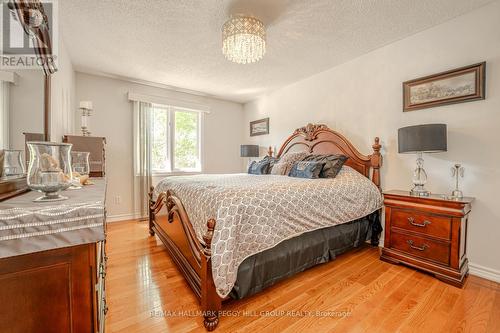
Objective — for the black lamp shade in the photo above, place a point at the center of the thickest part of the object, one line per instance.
(427, 138)
(249, 151)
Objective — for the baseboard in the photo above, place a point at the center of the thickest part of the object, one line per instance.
(123, 217)
(484, 272)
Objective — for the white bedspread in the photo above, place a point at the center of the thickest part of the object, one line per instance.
(256, 212)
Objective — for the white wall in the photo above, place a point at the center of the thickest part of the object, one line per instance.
(112, 118)
(363, 99)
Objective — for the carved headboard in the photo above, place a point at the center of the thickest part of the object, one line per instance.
(319, 139)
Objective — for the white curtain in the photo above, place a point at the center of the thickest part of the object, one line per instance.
(142, 157)
(4, 114)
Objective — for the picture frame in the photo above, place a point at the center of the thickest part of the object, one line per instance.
(259, 127)
(464, 84)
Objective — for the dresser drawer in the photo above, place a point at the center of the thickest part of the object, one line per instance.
(421, 247)
(426, 224)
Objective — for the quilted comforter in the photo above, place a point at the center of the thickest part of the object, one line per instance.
(256, 212)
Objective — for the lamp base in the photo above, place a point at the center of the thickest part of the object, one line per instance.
(85, 131)
(457, 194)
(419, 179)
(419, 191)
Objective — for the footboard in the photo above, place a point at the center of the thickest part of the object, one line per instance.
(169, 221)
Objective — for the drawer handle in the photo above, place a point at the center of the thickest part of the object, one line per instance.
(419, 248)
(422, 225)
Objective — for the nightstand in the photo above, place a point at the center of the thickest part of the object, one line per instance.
(427, 233)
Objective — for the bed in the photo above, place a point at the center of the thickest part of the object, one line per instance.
(234, 235)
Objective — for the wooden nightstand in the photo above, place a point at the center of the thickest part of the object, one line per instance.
(428, 233)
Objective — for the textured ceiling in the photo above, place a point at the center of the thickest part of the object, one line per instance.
(178, 42)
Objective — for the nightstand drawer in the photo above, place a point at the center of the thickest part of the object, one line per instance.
(435, 226)
(421, 247)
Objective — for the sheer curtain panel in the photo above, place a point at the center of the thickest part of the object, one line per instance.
(142, 157)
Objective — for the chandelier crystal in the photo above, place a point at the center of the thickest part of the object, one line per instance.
(243, 39)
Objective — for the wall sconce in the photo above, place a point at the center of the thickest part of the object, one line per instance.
(86, 109)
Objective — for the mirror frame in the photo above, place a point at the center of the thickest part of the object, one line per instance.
(43, 49)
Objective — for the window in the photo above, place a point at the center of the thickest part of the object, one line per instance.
(175, 139)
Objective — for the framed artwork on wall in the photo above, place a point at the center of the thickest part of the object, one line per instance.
(459, 85)
(259, 127)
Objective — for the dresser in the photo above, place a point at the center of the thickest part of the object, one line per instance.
(427, 233)
(53, 262)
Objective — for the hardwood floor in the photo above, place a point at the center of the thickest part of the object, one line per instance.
(146, 293)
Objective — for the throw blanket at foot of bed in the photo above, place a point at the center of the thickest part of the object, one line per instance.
(256, 212)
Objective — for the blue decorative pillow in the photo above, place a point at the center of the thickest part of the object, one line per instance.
(259, 168)
(333, 164)
(272, 161)
(306, 169)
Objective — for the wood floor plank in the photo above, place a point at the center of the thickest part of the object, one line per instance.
(336, 308)
(494, 322)
(285, 294)
(428, 315)
(478, 316)
(462, 309)
(394, 318)
(147, 293)
(350, 323)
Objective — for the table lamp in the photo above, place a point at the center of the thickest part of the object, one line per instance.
(249, 151)
(428, 138)
(86, 109)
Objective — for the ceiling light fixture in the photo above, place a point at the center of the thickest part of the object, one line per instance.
(243, 39)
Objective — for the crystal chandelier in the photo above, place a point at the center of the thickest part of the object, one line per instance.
(243, 39)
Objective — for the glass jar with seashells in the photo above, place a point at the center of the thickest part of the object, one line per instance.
(49, 169)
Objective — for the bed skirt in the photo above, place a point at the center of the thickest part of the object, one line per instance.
(297, 254)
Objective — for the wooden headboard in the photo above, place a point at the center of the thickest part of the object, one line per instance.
(319, 139)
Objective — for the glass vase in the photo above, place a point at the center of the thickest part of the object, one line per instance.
(12, 163)
(80, 167)
(49, 169)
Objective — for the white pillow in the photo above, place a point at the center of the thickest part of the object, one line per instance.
(287, 161)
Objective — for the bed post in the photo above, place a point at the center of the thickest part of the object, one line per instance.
(270, 151)
(211, 303)
(376, 162)
(150, 208)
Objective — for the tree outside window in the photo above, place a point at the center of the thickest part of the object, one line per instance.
(175, 141)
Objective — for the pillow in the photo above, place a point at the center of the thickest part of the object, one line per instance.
(272, 161)
(286, 162)
(279, 168)
(306, 169)
(259, 168)
(332, 164)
